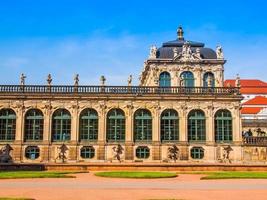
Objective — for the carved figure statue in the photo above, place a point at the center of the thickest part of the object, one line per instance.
(153, 52)
(62, 153)
(5, 154)
(49, 79)
(186, 51)
(175, 52)
(226, 153)
(260, 133)
(117, 151)
(173, 152)
(22, 79)
(130, 79)
(197, 54)
(102, 80)
(237, 81)
(76, 80)
(219, 52)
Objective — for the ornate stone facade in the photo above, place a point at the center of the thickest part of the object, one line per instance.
(191, 111)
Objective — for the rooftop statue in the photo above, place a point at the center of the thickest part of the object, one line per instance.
(130, 79)
(49, 80)
(237, 81)
(219, 52)
(102, 80)
(22, 79)
(76, 80)
(153, 52)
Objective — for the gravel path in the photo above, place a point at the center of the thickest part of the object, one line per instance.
(90, 187)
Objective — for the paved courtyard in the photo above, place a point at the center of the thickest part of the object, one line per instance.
(89, 187)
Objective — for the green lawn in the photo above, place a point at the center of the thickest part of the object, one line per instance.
(35, 174)
(147, 175)
(230, 175)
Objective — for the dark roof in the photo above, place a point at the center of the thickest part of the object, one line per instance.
(180, 43)
(166, 51)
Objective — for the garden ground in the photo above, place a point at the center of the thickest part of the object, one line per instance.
(88, 186)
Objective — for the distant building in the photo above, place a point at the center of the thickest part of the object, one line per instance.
(254, 104)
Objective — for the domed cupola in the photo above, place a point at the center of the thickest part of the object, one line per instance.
(170, 49)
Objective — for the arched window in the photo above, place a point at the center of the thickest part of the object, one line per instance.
(223, 126)
(187, 79)
(196, 126)
(61, 125)
(7, 125)
(32, 152)
(165, 79)
(88, 125)
(34, 125)
(142, 126)
(169, 125)
(115, 126)
(208, 80)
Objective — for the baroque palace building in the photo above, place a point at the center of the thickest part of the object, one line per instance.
(181, 105)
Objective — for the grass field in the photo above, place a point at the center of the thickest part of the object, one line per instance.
(230, 175)
(147, 175)
(35, 174)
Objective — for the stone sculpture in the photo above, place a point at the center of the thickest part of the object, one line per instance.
(5, 154)
(173, 152)
(117, 151)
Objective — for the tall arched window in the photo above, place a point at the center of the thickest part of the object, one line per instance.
(7, 125)
(88, 125)
(196, 126)
(34, 125)
(142, 126)
(61, 125)
(223, 126)
(115, 126)
(165, 79)
(169, 125)
(208, 80)
(187, 79)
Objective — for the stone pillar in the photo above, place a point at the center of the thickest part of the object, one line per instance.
(47, 126)
(183, 126)
(156, 148)
(19, 138)
(198, 78)
(47, 136)
(237, 130)
(129, 145)
(74, 125)
(101, 134)
(74, 134)
(210, 136)
(183, 139)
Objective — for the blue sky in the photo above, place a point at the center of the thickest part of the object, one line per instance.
(112, 38)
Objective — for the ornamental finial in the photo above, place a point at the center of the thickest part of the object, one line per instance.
(180, 33)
